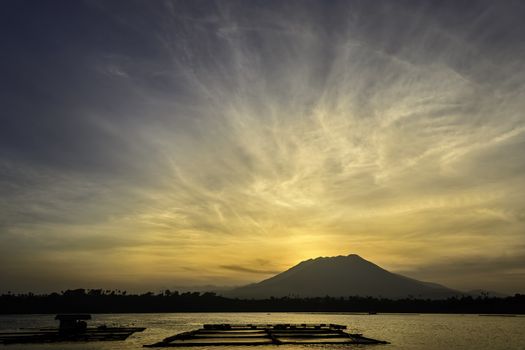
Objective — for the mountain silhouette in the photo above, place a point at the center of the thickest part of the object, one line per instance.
(341, 276)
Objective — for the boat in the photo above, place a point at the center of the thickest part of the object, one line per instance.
(72, 328)
(265, 334)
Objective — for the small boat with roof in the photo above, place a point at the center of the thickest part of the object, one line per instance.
(72, 328)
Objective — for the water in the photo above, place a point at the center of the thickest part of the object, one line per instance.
(403, 331)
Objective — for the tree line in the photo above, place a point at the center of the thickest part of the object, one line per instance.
(116, 301)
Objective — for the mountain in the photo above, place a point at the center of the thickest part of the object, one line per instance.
(341, 276)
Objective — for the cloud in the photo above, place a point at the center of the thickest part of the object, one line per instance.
(244, 269)
(501, 273)
(174, 134)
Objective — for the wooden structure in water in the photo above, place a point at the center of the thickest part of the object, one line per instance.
(72, 328)
(265, 334)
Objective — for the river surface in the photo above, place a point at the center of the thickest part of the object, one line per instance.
(403, 331)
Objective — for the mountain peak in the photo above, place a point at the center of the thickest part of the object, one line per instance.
(349, 256)
(339, 259)
(354, 256)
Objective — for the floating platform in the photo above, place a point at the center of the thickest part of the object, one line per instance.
(265, 334)
(72, 329)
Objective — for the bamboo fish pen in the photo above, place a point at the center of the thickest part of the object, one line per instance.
(265, 334)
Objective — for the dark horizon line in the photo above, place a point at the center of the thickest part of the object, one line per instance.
(217, 292)
(97, 301)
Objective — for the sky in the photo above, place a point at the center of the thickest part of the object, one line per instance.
(164, 144)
